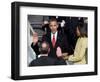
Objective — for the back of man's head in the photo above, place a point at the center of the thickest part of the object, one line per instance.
(44, 48)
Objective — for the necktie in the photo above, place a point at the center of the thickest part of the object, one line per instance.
(53, 41)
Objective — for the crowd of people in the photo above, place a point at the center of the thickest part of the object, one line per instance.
(58, 47)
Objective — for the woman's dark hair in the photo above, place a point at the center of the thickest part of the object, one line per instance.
(82, 28)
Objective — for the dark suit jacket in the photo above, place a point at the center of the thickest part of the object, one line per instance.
(61, 42)
(44, 61)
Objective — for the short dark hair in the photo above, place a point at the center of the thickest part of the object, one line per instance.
(53, 19)
(44, 50)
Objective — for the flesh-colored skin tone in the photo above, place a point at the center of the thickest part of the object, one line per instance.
(53, 26)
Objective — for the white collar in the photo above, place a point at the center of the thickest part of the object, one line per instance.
(42, 55)
(55, 35)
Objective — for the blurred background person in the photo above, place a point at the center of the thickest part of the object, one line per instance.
(31, 54)
(45, 26)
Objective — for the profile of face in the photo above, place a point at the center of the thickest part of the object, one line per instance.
(53, 26)
(77, 31)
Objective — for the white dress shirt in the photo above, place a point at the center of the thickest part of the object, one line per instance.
(55, 36)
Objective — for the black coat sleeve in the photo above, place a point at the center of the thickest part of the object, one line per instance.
(60, 62)
(66, 47)
(35, 48)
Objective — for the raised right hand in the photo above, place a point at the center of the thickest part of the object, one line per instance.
(35, 38)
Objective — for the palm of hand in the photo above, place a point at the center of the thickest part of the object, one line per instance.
(59, 52)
